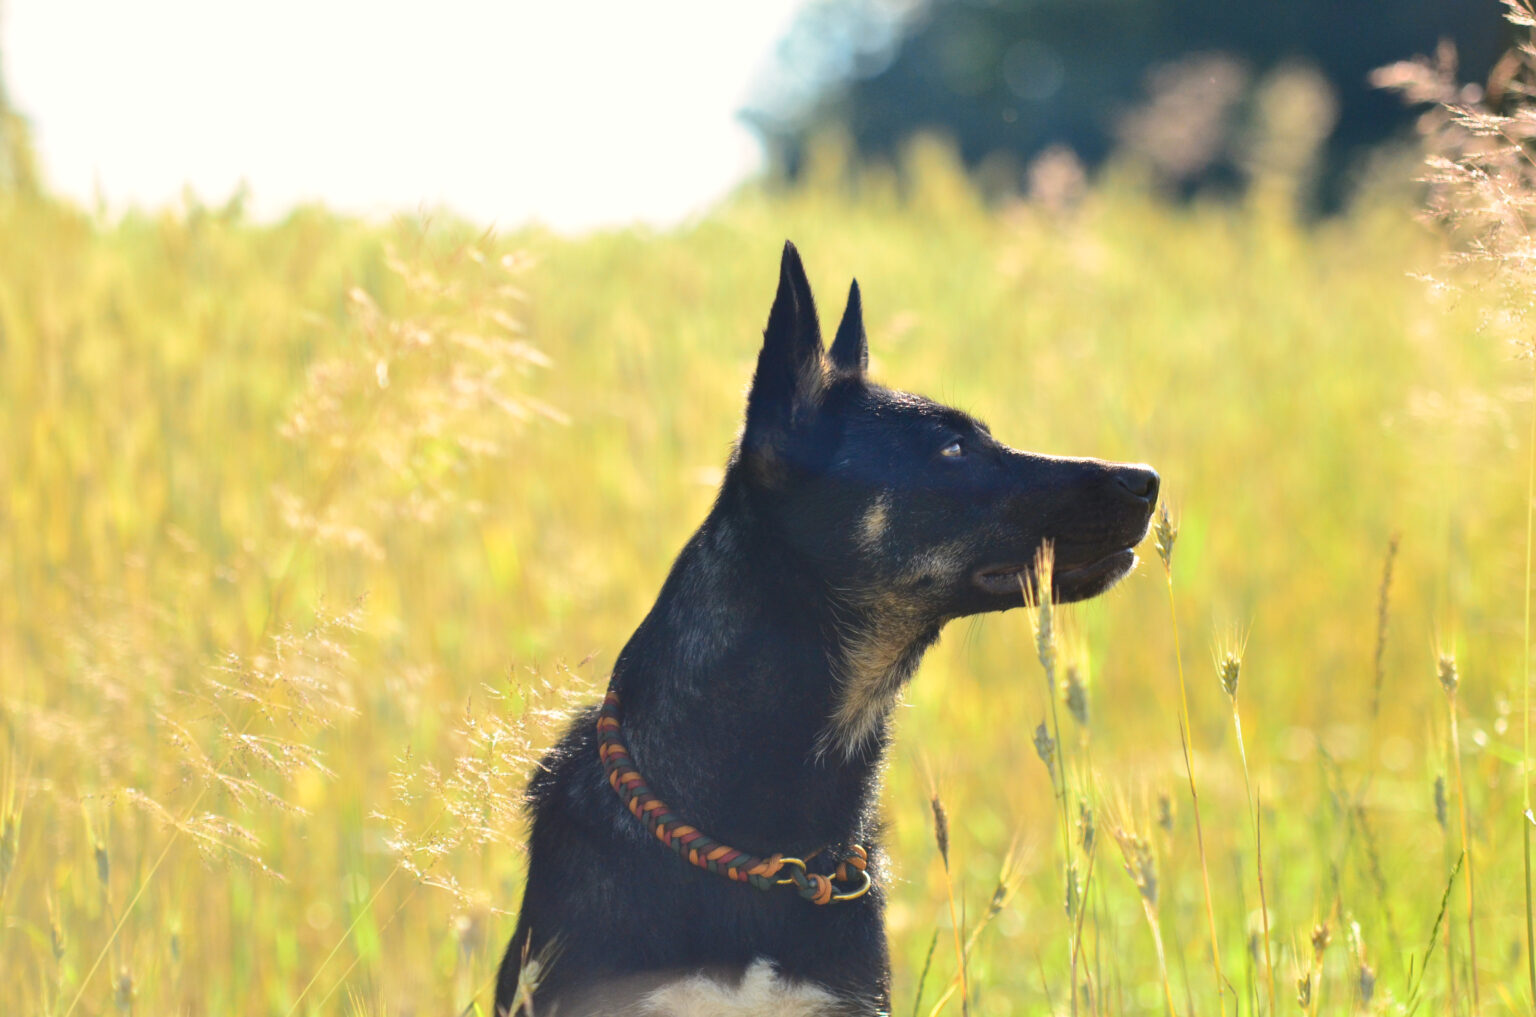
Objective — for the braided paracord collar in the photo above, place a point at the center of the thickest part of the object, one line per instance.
(701, 851)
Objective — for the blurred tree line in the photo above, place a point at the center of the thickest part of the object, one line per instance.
(1179, 83)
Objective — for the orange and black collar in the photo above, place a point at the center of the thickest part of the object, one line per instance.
(706, 853)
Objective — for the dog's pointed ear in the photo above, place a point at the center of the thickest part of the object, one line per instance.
(790, 375)
(850, 348)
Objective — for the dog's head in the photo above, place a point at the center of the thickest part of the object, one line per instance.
(905, 505)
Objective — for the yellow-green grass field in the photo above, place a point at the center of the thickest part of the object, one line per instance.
(311, 528)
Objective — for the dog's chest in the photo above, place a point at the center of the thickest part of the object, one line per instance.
(762, 992)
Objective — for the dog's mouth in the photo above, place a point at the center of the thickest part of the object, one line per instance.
(1070, 580)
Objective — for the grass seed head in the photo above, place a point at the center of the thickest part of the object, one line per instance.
(1045, 748)
(1085, 828)
(1228, 667)
(940, 827)
(1367, 979)
(1440, 801)
(1447, 673)
(1038, 602)
(10, 840)
(123, 991)
(1076, 695)
(1007, 882)
(1321, 935)
(528, 978)
(1228, 656)
(1304, 990)
(1166, 532)
(1140, 864)
(1165, 811)
(55, 935)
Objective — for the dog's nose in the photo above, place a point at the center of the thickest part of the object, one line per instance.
(1140, 480)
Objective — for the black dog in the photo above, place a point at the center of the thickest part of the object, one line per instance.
(853, 522)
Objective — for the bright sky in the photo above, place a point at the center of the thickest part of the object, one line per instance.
(573, 112)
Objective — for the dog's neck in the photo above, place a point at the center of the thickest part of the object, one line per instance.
(761, 713)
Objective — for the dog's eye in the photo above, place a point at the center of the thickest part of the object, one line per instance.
(954, 450)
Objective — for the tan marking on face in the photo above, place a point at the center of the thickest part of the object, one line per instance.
(762, 993)
(875, 662)
(942, 562)
(871, 679)
(875, 659)
(876, 520)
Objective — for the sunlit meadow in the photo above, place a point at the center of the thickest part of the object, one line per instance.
(311, 531)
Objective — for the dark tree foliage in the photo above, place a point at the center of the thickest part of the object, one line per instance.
(1016, 76)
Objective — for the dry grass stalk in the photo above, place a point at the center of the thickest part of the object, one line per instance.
(1442, 819)
(1365, 975)
(1361, 825)
(10, 825)
(941, 838)
(1434, 936)
(1383, 592)
(922, 977)
(1229, 665)
(1008, 879)
(1258, 861)
(1082, 912)
(1141, 866)
(1321, 935)
(1047, 742)
(1166, 532)
(1449, 681)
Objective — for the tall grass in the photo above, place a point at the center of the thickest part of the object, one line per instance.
(1482, 145)
(313, 529)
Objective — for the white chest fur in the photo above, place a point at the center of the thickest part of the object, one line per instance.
(761, 993)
